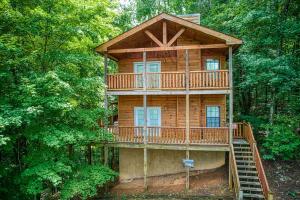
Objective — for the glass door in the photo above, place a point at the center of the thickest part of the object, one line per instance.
(153, 76)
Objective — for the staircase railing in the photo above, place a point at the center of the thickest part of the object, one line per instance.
(235, 176)
(248, 134)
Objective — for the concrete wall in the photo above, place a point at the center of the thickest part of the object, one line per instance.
(161, 162)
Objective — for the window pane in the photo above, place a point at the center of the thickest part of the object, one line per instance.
(212, 64)
(153, 116)
(213, 116)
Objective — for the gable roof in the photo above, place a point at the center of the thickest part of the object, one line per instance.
(229, 40)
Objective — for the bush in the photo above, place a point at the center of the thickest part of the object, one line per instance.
(281, 141)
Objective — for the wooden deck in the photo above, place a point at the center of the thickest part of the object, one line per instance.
(171, 135)
(198, 80)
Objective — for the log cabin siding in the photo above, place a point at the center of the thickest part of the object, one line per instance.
(176, 61)
(173, 109)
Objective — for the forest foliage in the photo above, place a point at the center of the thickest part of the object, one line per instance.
(52, 89)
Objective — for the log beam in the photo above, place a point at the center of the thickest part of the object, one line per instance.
(165, 33)
(172, 48)
(150, 35)
(174, 38)
(230, 96)
(187, 116)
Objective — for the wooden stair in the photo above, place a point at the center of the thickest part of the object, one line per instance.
(247, 172)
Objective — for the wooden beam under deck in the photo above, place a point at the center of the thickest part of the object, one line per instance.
(191, 147)
(172, 48)
(167, 92)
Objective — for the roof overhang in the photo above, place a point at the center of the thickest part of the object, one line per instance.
(224, 38)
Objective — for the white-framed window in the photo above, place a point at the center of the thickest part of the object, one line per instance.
(153, 115)
(213, 116)
(212, 64)
(153, 78)
(154, 119)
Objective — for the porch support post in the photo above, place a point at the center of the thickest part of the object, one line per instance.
(145, 120)
(187, 116)
(105, 148)
(230, 97)
(145, 95)
(145, 168)
(229, 169)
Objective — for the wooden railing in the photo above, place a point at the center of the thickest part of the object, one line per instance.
(166, 80)
(171, 135)
(169, 80)
(238, 130)
(217, 79)
(248, 134)
(166, 135)
(205, 135)
(235, 176)
(125, 81)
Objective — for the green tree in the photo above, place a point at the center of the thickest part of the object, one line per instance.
(51, 95)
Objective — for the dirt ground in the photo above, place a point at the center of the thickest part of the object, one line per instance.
(202, 186)
(284, 178)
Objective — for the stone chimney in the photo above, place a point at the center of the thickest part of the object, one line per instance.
(195, 18)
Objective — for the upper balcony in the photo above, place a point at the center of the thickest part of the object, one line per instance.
(179, 46)
(174, 82)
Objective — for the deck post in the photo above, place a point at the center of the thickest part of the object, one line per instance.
(145, 119)
(229, 171)
(230, 112)
(187, 116)
(105, 148)
(230, 97)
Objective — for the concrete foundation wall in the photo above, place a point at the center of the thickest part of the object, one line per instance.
(162, 162)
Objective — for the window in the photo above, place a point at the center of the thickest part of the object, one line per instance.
(212, 64)
(153, 78)
(213, 116)
(153, 116)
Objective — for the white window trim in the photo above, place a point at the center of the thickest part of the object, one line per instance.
(219, 64)
(137, 63)
(219, 114)
(136, 108)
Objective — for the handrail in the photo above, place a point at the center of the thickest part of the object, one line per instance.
(234, 170)
(238, 131)
(259, 166)
(171, 135)
(220, 70)
(169, 80)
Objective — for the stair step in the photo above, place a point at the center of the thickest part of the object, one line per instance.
(242, 156)
(240, 141)
(247, 148)
(252, 189)
(243, 152)
(248, 177)
(247, 172)
(243, 146)
(257, 196)
(244, 161)
(250, 183)
(246, 166)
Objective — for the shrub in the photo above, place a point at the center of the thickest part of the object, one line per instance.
(281, 143)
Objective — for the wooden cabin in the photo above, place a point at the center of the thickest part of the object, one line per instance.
(175, 104)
